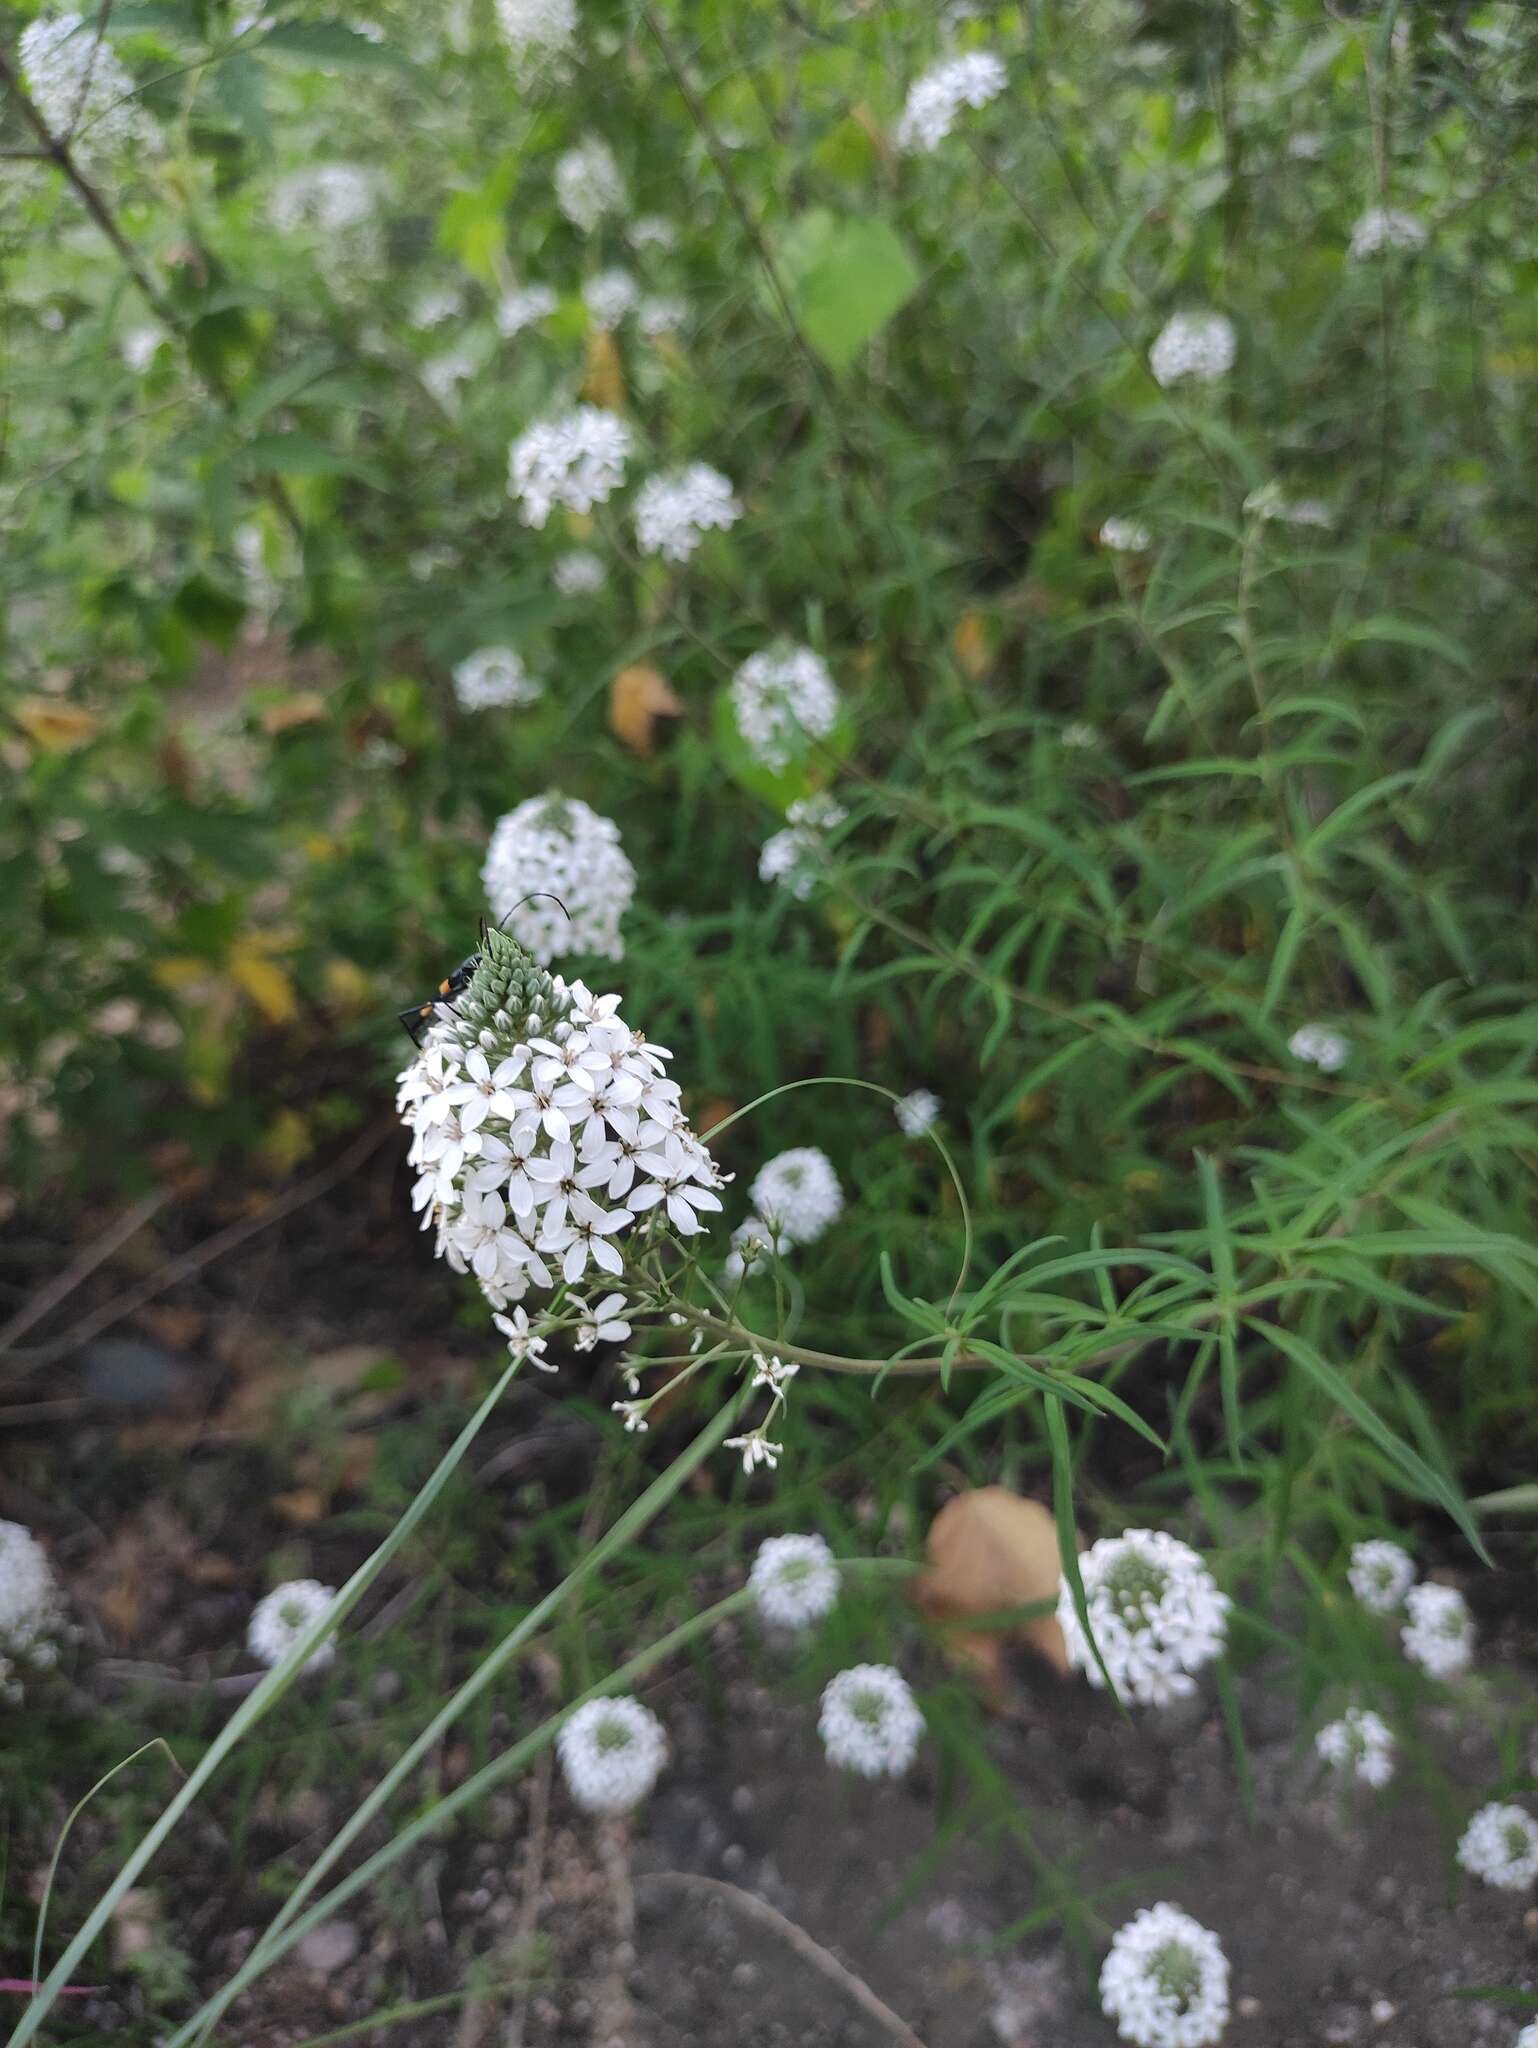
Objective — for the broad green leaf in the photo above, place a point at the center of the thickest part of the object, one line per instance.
(845, 276)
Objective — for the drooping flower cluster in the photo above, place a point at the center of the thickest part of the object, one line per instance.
(1165, 1981)
(281, 1618)
(933, 102)
(610, 297)
(794, 1581)
(870, 1721)
(797, 857)
(579, 573)
(1439, 1635)
(331, 197)
(523, 306)
(1318, 1046)
(576, 460)
(1380, 1574)
(783, 698)
(1155, 1612)
(543, 1131)
(797, 1194)
(1386, 227)
(588, 184)
(916, 1113)
(1125, 536)
(1500, 1846)
(537, 29)
(1197, 346)
(31, 1611)
(81, 87)
(674, 511)
(493, 677)
(612, 1753)
(557, 846)
(1358, 1745)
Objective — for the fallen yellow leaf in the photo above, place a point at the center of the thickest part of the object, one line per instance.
(56, 727)
(969, 643)
(603, 381)
(638, 697)
(266, 984)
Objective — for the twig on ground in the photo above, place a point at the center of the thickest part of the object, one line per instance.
(112, 1239)
(522, 1942)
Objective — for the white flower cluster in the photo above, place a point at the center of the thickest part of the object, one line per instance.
(81, 87)
(612, 1752)
(1156, 1614)
(523, 306)
(588, 184)
(1439, 1636)
(1380, 1574)
(530, 1106)
(493, 677)
(651, 231)
(444, 374)
(579, 573)
(1193, 345)
(674, 511)
(658, 317)
(1528, 2038)
(916, 1113)
(934, 101)
(278, 1621)
(794, 1581)
(1165, 1981)
(797, 1194)
(1318, 1046)
(436, 305)
(31, 1611)
(1386, 227)
(536, 29)
(332, 197)
(576, 460)
(783, 698)
(610, 297)
(870, 1721)
(797, 857)
(1358, 1745)
(1272, 502)
(1500, 1846)
(1125, 536)
(560, 846)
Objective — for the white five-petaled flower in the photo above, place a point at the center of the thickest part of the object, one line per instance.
(588, 184)
(556, 873)
(798, 1194)
(674, 511)
(794, 1581)
(1380, 1574)
(935, 100)
(1154, 1611)
(1165, 1981)
(523, 1341)
(1500, 1846)
(870, 1722)
(611, 1752)
(756, 1450)
(576, 460)
(278, 1621)
(672, 1176)
(604, 1323)
(1196, 346)
(916, 1113)
(783, 699)
(1318, 1046)
(1439, 1635)
(31, 1611)
(493, 677)
(1358, 1745)
(1387, 227)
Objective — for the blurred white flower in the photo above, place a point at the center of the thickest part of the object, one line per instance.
(579, 573)
(524, 306)
(1439, 1636)
(1318, 1046)
(1305, 147)
(557, 844)
(870, 1721)
(444, 374)
(935, 100)
(1386, 227)
(1380, 1574)
(278, 1621)
(536, 29)
(331, 197)
(783, 698)
(1193, 345)
(576, 460)
(1528, 2038)
(1271, 502)
(917, 1112)
(657, 317)
(1125, 536)
(674, 511)
(612, 1752)
(794, 1581)
(610, 297)
(588, 184)
(435, 305)
(752, 1241)
(31, 1610)
(797, 1194)
(651, 231)
(1500, 1846)
(1165, 1981)
(139, 345)
(493, 677)
(1080, 735)
(1154, 1610)
(797, 857)
(1358, 1745)
(81, 87)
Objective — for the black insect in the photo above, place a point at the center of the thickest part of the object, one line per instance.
(415, 1020)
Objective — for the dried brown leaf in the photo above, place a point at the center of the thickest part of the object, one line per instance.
(638, 696)
(991, 1550)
